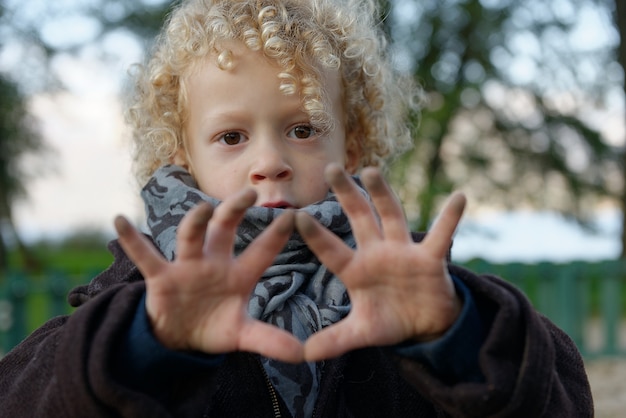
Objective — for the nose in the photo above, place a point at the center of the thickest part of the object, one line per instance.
(271, 163)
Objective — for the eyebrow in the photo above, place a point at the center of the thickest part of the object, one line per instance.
(236, 115)
(242, 116)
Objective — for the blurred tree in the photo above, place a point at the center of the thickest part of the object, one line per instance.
(511, 87)
(31, 39)
(510, 91)
(18, 136)
(141, 17)
(620, 22)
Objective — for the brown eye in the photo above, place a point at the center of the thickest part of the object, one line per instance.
(302, 132)
(232, 138)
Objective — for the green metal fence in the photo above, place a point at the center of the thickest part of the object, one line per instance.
(26, 302)
(586, 300)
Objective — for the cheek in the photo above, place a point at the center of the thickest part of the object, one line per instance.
(338, 152)
(220, 182)
(318, 187)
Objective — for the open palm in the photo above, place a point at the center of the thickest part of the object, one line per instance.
(199, 301)
(399, 289)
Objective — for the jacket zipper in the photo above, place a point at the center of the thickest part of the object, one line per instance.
(272, 391)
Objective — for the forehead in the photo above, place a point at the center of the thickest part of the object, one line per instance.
(230, 54)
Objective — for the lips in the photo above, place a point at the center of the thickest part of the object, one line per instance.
(279, 205)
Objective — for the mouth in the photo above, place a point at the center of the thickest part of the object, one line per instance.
(279, 205)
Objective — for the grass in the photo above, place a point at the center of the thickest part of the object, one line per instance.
(57, 269)
(71, 261)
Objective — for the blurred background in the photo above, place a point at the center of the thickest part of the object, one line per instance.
(525, 113)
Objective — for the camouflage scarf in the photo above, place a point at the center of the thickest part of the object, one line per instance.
(297, 293)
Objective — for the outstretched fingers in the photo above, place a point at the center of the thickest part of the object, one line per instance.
(260, 254)
(332, 342)
(270, 341)
(392, 219)
(226, 217)
(192, 231)
(138, 248)
(328, 247)
(357, 207)
(440, 235)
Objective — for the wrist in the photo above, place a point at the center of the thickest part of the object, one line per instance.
(447, 316)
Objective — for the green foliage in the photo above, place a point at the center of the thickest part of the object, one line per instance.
(18, 136)
(82, 239)
(141, 19)
(72, 260)
(83, 250)
(506, 139)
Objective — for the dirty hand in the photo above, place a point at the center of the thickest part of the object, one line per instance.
(199, 301)
(399, 290)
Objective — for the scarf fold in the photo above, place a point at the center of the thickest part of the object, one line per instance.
(297, 293)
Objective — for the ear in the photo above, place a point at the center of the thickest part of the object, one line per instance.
(180, 159)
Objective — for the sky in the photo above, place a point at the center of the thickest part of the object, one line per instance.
(527, 236)
(91, 182)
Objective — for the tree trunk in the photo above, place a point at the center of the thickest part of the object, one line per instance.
(28, 259)
(620, 20)
(4, 254)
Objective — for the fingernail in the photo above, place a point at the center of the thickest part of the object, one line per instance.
(372, 179)
(335, 175)
(204, 212)
(460, 201)
(304, 223)
(122, 226)
(286, 222)
(245, 199)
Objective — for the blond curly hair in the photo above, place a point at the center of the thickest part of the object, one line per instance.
(300, 36)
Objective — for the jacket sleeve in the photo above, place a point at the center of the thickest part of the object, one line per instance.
(531, 368)
(142, 362)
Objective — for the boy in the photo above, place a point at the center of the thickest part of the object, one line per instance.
(246, 117)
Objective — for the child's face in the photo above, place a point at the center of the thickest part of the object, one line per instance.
(243, 132)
